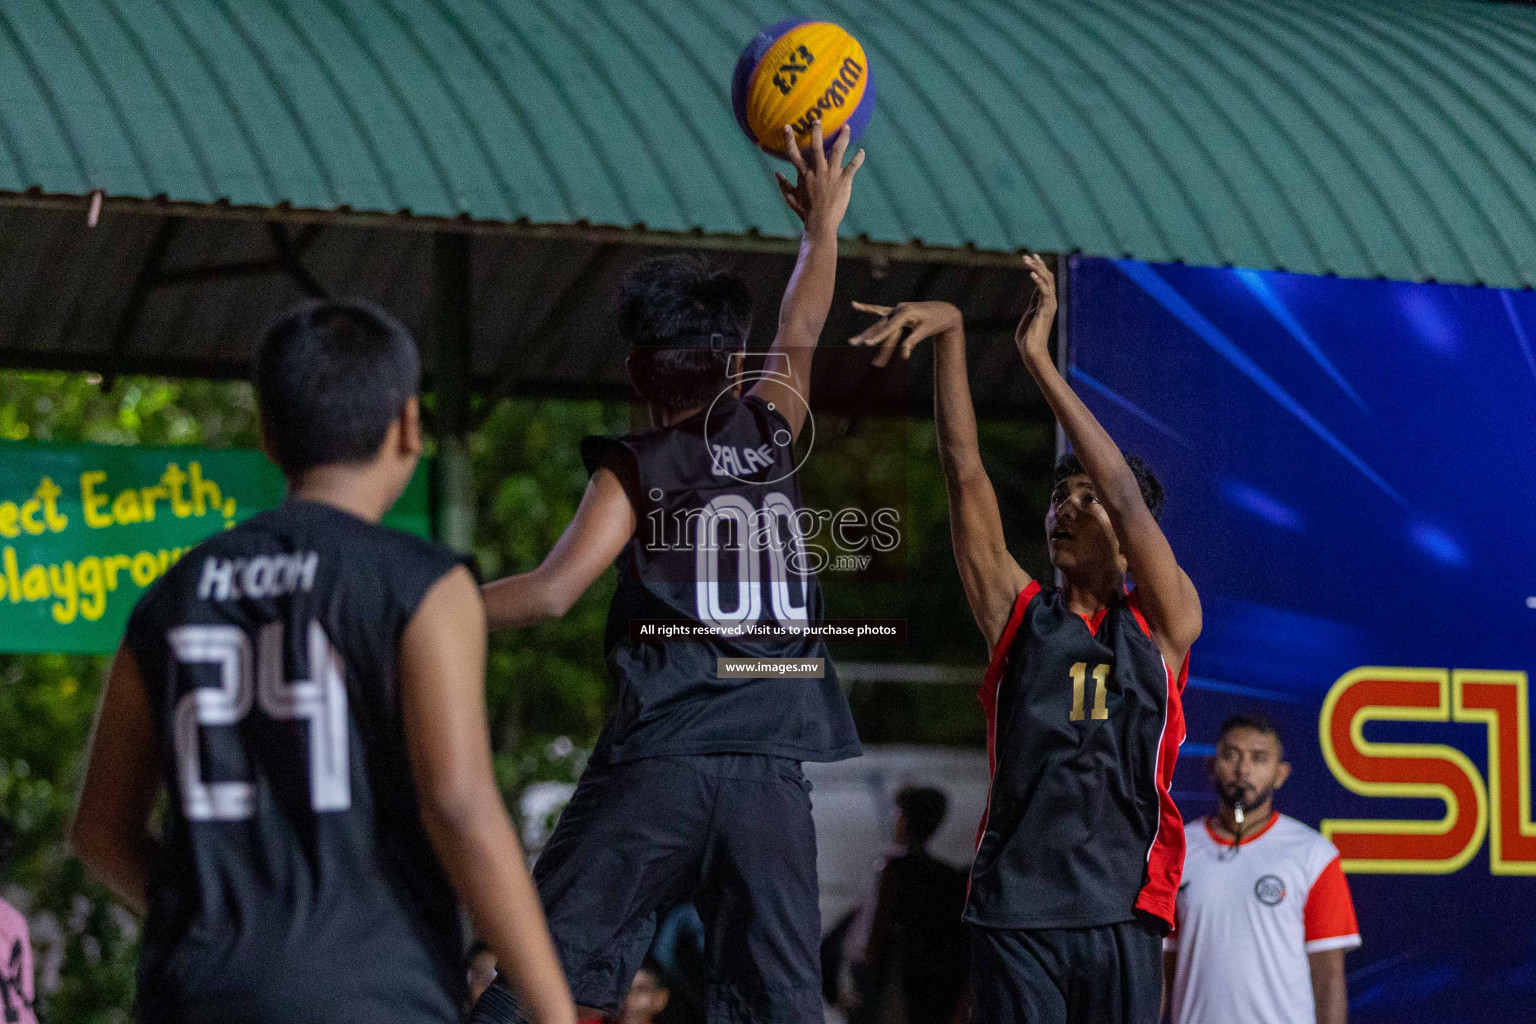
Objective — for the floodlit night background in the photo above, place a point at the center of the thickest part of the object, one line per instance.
(1351, 477)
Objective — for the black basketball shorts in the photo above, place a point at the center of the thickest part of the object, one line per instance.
(730, 832)
(1112, 974)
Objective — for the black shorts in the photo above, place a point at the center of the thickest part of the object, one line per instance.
(730, 832)
(1112, 974)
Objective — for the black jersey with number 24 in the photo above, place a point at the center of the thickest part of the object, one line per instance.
(297, 882)
(1084, 722)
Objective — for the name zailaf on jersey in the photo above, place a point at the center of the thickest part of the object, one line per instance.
(230, 579)
(726, 460)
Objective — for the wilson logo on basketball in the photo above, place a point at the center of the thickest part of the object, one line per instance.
(843, 86)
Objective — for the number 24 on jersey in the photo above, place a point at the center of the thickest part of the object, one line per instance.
(320, 701)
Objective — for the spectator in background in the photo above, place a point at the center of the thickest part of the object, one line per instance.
(1264, 916)
(17, 988)
(912, 963)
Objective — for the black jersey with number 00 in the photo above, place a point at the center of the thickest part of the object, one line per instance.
(297, 881)
(1084, 723)
(719, 542)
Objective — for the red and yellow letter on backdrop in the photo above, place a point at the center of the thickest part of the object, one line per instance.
(1500, 810)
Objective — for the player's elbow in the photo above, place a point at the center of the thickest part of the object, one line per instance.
(1121, 495)
(797, 330)
(962, 465)
(555, 599)
(527, 599)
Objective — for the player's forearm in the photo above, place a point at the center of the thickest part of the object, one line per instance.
(483, 859)
(954, 414)
(808, 296)
(1112, 478)
(523, 600)
(1170, 970)
(1329, 989)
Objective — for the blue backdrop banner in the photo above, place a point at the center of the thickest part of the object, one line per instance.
(1351, 477)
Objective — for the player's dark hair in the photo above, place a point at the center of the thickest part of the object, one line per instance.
(1146, 480)
(1256, 721)
(924, 808)
(672, 297)
(330, 377)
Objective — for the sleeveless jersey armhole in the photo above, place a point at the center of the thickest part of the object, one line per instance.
(1000, 651)
(1133, 600)
(619, 456)
(994, 673)
(988, 695)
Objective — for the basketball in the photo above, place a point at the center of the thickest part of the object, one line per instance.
(797, 73)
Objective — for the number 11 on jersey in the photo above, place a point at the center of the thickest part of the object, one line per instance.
(1100, 691)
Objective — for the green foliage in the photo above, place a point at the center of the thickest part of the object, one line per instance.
(546, 681)
(84, 941)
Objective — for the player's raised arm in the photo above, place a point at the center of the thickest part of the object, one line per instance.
(442, 691)
(1168, 598)
(989, 574)
(110, 834)
(820, 199)
(603, 524)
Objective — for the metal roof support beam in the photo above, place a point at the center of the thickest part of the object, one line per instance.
(145, 282)
(502, 382)
(849, 248)
(454, 480)
(288, 253)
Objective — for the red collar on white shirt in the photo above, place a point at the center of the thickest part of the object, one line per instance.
(1221, 840)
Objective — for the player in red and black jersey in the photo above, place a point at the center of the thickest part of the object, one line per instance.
(1079, 855)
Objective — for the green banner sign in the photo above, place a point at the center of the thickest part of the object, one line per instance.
(85, 528)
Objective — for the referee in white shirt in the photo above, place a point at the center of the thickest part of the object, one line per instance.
(1264, 914)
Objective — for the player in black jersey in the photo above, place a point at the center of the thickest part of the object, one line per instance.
(695, 789)
(1079, 855)
(309, 688)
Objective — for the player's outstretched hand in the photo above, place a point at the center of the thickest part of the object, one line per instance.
(1033, 336)
(824, 185)
(917, 320)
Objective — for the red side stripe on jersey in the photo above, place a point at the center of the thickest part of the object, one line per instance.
(989, 689)
(1165, 857)
(1134, 600)
(1330, 912)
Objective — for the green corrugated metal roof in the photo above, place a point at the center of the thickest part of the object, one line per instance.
(1389, 138)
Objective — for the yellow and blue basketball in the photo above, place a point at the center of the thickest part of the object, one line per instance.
(797, 73)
